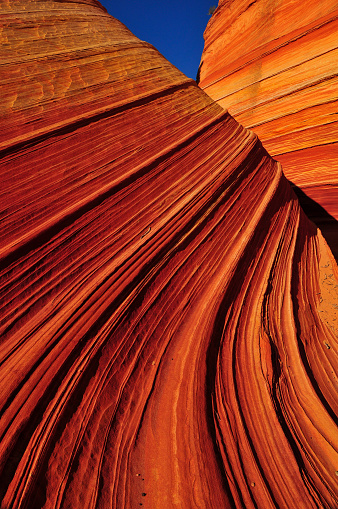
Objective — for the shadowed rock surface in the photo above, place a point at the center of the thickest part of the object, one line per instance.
(273, 65)
(168, 312)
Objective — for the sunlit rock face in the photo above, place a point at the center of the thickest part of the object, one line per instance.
(273, 65)
(168, 312)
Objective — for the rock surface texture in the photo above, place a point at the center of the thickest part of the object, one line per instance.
(168, 312)
(273, 65)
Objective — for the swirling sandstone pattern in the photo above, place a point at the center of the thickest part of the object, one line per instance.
(168, 313)
(273, 64)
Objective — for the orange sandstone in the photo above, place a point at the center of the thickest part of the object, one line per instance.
(168, 312)
(273, 65)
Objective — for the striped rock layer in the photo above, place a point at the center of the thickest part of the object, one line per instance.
(168, 312)
(273, 65)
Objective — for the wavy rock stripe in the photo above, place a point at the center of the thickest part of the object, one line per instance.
(168, 312)
(273, 66)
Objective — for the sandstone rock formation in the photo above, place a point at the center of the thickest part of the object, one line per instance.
(168, 312)
(274, 66)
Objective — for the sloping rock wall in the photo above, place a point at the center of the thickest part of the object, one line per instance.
(168, 312)
(273, 65)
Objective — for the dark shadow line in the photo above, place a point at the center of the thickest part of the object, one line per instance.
(320, 217)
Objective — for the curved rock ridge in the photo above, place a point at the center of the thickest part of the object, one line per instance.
(273, 65)
(168, 312)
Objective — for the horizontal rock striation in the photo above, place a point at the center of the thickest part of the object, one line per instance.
(273, 65)
(168, 313)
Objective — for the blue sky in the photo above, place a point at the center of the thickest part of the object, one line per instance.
(174, 27)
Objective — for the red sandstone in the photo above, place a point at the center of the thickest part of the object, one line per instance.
(168, 312)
